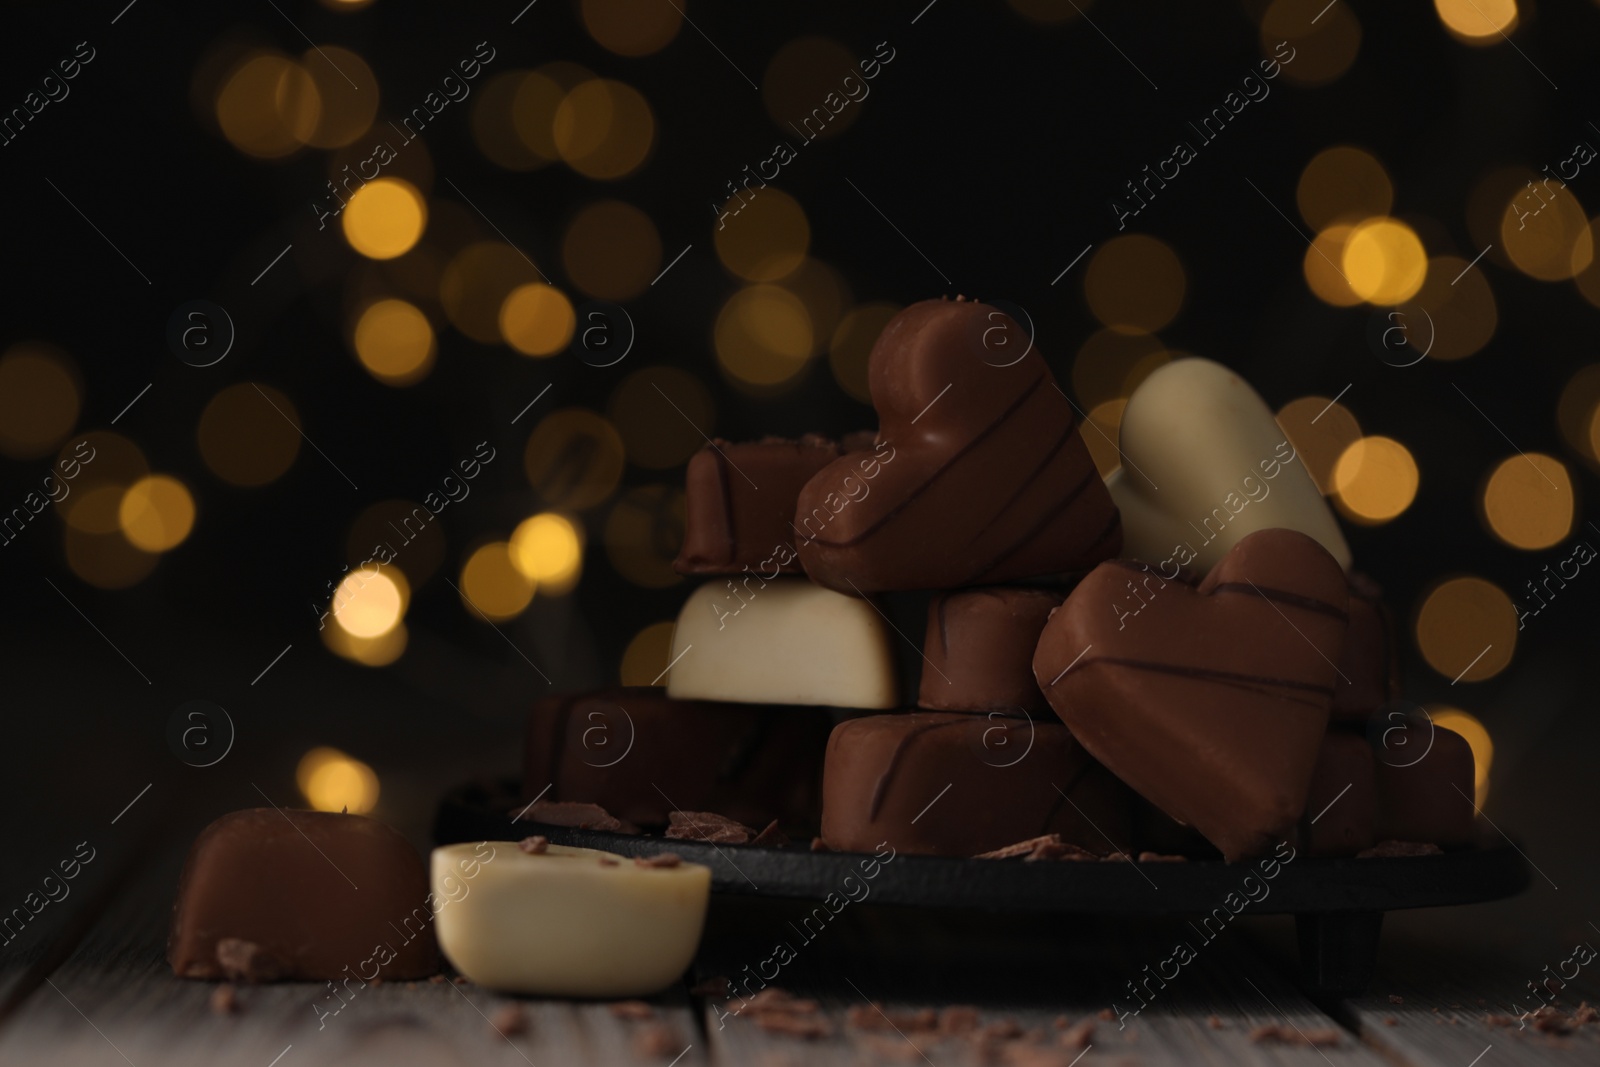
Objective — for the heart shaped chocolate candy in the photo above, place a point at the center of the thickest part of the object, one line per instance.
(1211, 700)
(1205, 463)
(979, 476)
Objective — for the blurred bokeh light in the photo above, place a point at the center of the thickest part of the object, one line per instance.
(395, 343)
(643, 534)
(1320, 431)
(492, 585)
(1135, 283)
(385, 218)
(852, 343)
(796, 87)
(574, 459)
(1478, 22)
(611, 250)
(644, 661)
(249, 434)
(39, 399)
(1528, 501)
(631, 27)
(1343, 183)
(537, 319)
(1467, 629)
(663, 414)
(333, 781)
(548, 549)
(1374, 480)
(604, 129)
(1384, 261)
(1477, 738)
(763, 338)
(764, 236)
(156, 513)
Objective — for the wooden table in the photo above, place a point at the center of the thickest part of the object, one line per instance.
(88, 985)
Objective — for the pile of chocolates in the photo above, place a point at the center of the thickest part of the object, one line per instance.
(1177, 660)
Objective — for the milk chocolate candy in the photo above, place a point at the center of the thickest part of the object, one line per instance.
(1212, 699)
(978, 654)
(568, 922)
(1341, 813)
(740, 504)
(1369, 672)
(951, 784)
(979, 475)
(306, 895)
(628, 750)
(1425, 798)
(1205, 464)
(784, 641)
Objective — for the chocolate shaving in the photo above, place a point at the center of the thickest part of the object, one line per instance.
(579, 816)
(1045, 847)
(224, 1000)
(1215, 1022)
(1284, 1034)
(1080, 1036)
(656, 1041)
(958, 1019)
(773, 999)
(1388, 849)
(1395, 998)
(708, 826)
(819, 845)
(874, 1016)
(715, 986)
(1390, 1020)
(1161, 857)
(632, 1009)
(662, 860)
(437, 979)
(509, 1020)
(609, 861)
(246, 961)
(534, 845)
(770, 836)
(809, 1027)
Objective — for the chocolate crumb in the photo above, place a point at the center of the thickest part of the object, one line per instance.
(1161, 857)
(459, 980)
(579, 816)
(1289, 1035)
(808, 1027)
(437, 979)
(246, 961)
(510, 1020)
(1502, 1020)
(224, 1000)
(1044, 847)
(1389, 849)
(819, 845)
(1106, 1015)
(708, 826)
(632, 1009)
(610, 861)
(1080, 1036)
(770, 836)
(656, 1041)
(715, 986)
(1215, 1022)
(1117, 857)
(1585, 1014)
(999, 1030)
(1390, 1020)
(1395, 998)
(661, 860)
(534, 845)
(958, 1019)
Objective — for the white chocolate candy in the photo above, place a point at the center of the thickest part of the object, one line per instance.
(1205, 463)
(567, 922)
(784, 641)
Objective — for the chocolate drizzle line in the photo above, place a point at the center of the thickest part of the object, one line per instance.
(1040, 526)
(1251, 682)
(1027, 483)
(900, 749)
(1294, 600)
(727, 501)
(884, 519)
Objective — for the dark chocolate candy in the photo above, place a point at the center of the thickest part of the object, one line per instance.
(740, 504)
(630, 750)
(1213, 700)
(1009, 779)
(1341, 814)
(306, 895)
(1426, 799)
(978, 652)
(979, 475)
(1369, 671)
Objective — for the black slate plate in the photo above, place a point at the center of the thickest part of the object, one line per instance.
(1302, 886)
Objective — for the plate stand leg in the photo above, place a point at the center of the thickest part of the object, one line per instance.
(1338, 951)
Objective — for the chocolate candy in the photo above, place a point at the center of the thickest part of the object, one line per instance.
(784, 641)
(1341, 813)
(1425, 798)
(979, 475)
(1204, 465)
(629, 750)
(979, 650)
(1369, 671)
(1213, 700)
(956, 785)
(309, 895)
(569, 922)
(740, 504)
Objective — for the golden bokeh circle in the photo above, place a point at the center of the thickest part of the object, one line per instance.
(39, 399)
(537, 319)
(492, 586)
(1528, 501)
(368, 602)
(1112, 364)
(377, 651)
(1323, 268)
(852, 343)
(1342, 182)
(644, 533)
(805, 92)
(538, 98)
(333, 781)
(1466, 629)
(647, 656)
(548, 549)
(763, 238)
(1374, 480)
(1310, 53)
(1460, 305)
(1101, 435)
(1546, 234)
(347, 93)
(268, 107)
(249, 434)
(98, 467)
(395, 342)
(663, 414)
(631, 27)
(611, 250)
(399, 530)
(156, 513)
(1476, 735)
(106, 560)
(604, 129)
(1320, 432)
(385, 218)
(1478, 22)
(1384, 261)
(1577, 413)
(574, 459)
(493, 119)
(1135, 283)
(763, 338)
(475, 284)
(824, 293)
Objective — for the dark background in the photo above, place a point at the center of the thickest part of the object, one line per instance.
(995, 143)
